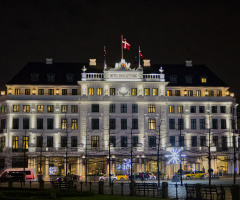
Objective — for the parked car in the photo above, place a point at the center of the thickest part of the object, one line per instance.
(30, 173)
(140, 176)
(12, 176)
(195, 174)
(151, 176)
(122, 177)
(73, 177)
(106, 177)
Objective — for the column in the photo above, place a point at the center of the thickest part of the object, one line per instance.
(46, 169)
(143, 166)
(34, 163)
(78, 166)
(29, 163)
(81, 167)
(114, 166)
(139, 165)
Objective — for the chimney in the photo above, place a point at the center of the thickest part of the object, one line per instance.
(92, 62)
(188, 63)
(49, 61)
(146, 63)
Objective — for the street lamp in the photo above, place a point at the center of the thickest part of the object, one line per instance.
(209, 149)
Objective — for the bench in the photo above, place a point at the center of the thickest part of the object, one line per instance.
(213, 191)
(147, 187)
(59, 185)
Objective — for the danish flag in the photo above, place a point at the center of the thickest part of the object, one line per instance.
(140, 53)
(125, 44)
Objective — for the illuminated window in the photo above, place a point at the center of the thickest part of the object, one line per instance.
(177, 93)
(169, 92)
(64, 108)
(39, 108)
(219, 93)
(50, 108)
(3, 142)
(134, 91)
(99, 91)
(151, 108)
(155, 92)
(95, 141)
(26, 108)
(4, 109)
(146, 91)
(204, 80)
(27, 91)
(15, 142)
(171, 109)
(151, 124)
(190, 93)
(180, 109)
(64, 124)
(198, 93)
(15, 108)
(90, 91)
(17, 91)
(74, 124)
(25, 142)
(74, 108)
(211, 93)
(112, 91)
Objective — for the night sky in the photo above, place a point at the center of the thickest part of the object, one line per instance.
(169, 32)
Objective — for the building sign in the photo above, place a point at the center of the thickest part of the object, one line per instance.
(123, 76)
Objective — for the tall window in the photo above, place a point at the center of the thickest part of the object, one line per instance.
(123, 123)
(215, 141)
(39, 108)
(224, 143)
(146, 91)
(15, 108)
(64, 124)
(73, 141)
(202, 123)
(223, 124)
(198, 93)
(181, 141)
(15, 142)
(214, 109)
(95, 141)
(95, 124)
(134, 123)
(193, 124)
(177, 93)
(134, 91)
(99, 91)
(112, 91)
(113, 141)
(204, 80)
(39, 123)
(3, 142)
(25, 123)
(171, 124)
(123, 108)
(180, 109)
(169, 92)
(27, 91)
(134, 108)
(50, 91)
(64, 91)
(194, 141)
(203, 141)
(190, 92)
(188, 79)
(155, 92)
(17, 91)
(112, 123)
(151, 124)
(69, 77)
(123, 141)
(211, 93)
(4, 109)
(51, 77)
(219, 93)
(74, 108)
(15, 123)
(25, 142)
(50, 108)
(49, 141)
(201, 109)
(180, 124)
(26, 108)
(214, 124)
(63, 141)
(171, 109)
(151, 108)
(3, 124)
(74, 124)
(173, 79)
(193, 109)
(50, 123)
(40, 91)
(172, 141)
(112, 108)
(152, 141)
(74, 91)
(95, 107)
(134, 141)
(64, 108)
(223, 109)
(90, 91)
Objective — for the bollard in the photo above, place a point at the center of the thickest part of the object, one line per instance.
(144, 189)
(100, 187)
(90, 184)
(165, 190)
(81, 185)
(153, 191)
(30, 183)
(176, 185)
(112, 187)
(122, 188)
(198, 188)
(41, 184)
(235, 190)
(133, 188)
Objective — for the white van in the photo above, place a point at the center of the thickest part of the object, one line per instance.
(30, 173)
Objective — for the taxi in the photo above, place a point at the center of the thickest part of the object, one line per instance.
(122, 177)
(194, 175)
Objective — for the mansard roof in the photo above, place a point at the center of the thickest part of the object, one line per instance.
(60, 71)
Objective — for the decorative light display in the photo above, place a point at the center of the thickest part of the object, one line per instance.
(52, 170)
(175, 157)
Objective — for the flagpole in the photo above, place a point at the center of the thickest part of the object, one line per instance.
(139, 57)
(122, 45)
(104, 57)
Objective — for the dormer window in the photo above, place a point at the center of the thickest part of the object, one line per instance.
(173, 79)
(51, 77)
(69, 77)
(203, 79)
(188, 79)
(34, 77)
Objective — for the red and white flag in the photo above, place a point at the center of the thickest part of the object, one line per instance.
(140, 53)
(125, 44)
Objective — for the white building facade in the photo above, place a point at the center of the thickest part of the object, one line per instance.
(66, 117)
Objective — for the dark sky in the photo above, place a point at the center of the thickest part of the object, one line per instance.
(169, 32)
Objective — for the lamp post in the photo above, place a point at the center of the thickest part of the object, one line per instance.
(209, 150)
(24, 154)
(131, 157)
(180, 145)
(109, 153)
(86, 155)
(159, 132)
